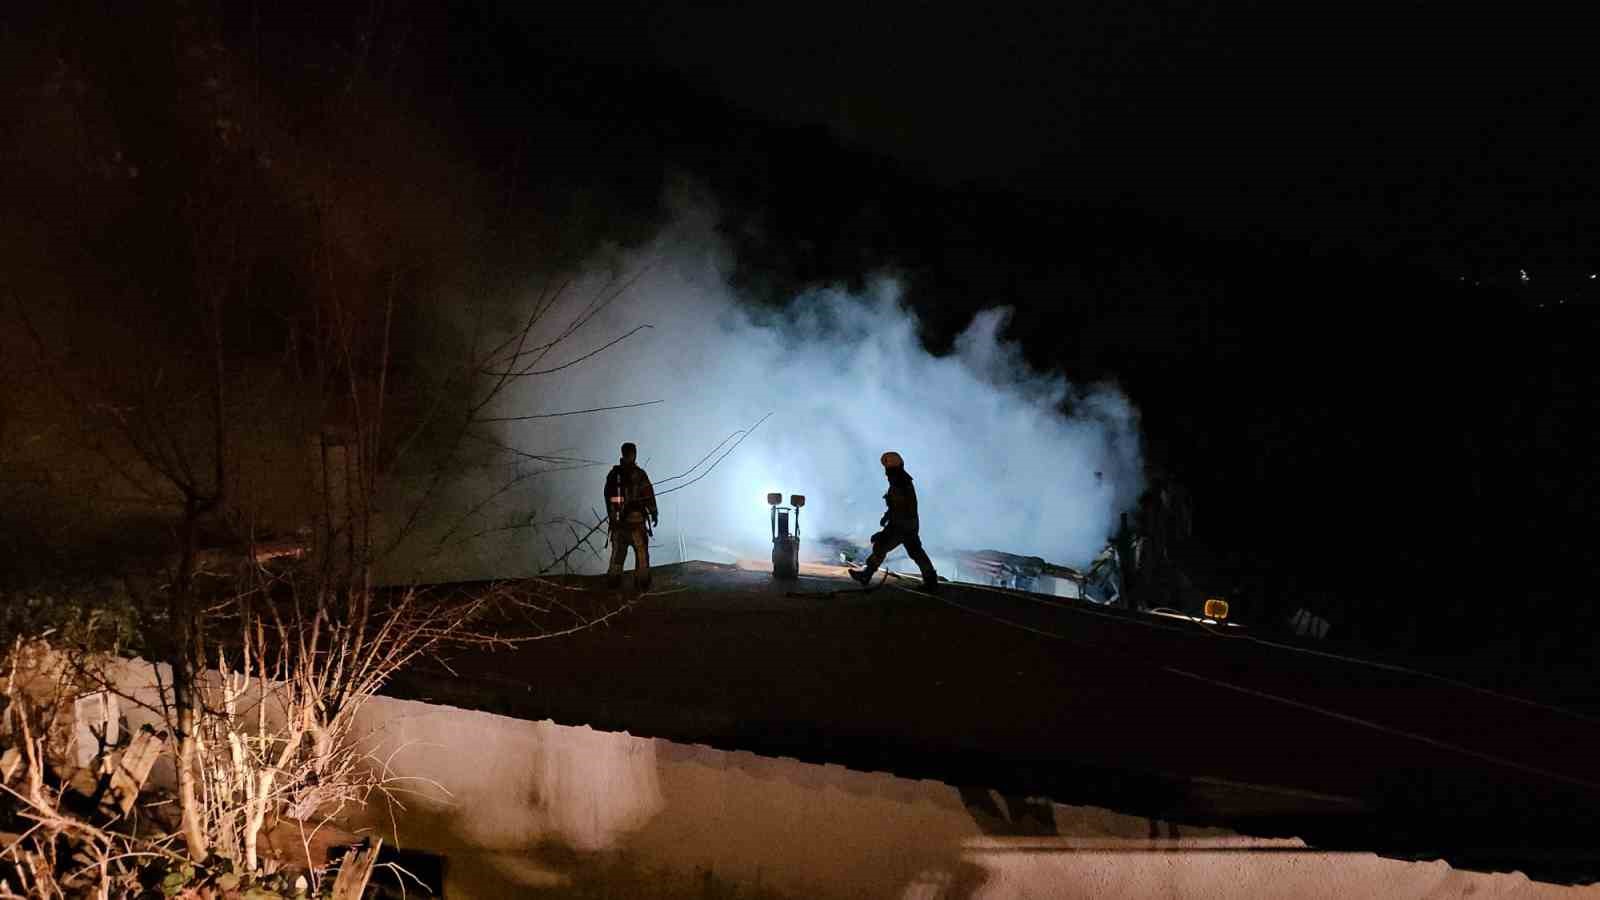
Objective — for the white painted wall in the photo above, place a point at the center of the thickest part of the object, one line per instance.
(500, 796)
(825, 831)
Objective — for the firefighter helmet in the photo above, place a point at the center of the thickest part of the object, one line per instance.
(892, 460)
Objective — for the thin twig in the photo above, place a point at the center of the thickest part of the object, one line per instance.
(575, 412)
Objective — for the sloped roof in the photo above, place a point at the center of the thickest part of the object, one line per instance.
(1052, 697)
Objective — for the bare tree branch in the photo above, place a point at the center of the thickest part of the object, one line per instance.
(575, 412)
(524, 373)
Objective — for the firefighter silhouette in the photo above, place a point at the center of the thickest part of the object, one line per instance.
(631, 509)
(900, 525)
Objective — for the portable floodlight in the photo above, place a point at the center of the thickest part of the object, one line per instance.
(785, 544)
(1216, 608)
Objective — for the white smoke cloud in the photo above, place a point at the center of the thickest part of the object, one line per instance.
(998, 463)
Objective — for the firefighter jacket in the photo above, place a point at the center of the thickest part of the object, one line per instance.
(901, 503)
(630, 498)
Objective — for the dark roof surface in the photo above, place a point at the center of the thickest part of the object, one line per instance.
(1049, 697)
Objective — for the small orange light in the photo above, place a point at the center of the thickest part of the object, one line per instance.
(1216, 608)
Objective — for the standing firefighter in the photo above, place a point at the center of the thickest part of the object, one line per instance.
(900, 525)
(631, 507)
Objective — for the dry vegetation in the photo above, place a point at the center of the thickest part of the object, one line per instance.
(262, 388)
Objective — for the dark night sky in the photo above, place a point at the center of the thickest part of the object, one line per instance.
(1437, 133)
(1294, 233)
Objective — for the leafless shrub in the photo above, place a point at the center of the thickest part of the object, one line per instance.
(268, 662)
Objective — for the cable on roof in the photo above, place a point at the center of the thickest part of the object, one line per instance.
(1356, 660)
(1310, 707)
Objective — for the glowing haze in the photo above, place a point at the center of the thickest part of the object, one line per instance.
(999, 461)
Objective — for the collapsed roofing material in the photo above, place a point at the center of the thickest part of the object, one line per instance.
(1100, 584)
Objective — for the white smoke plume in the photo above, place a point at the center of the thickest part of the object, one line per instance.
(998, 461)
